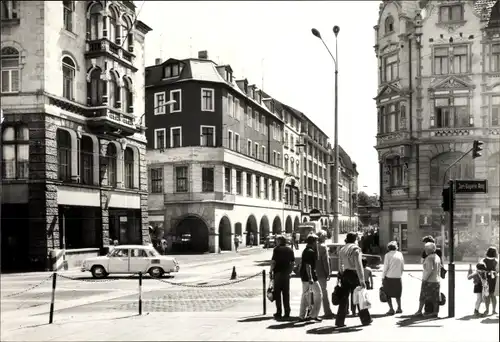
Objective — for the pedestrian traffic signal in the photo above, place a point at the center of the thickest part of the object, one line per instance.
(477, 148)
(445, 204)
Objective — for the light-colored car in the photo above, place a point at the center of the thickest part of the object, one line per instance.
(131, 259)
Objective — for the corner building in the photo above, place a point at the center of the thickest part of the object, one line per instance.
(215, 156)
(439, 63)
(73, 146)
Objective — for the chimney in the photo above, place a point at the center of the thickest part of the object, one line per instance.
(158, 61)
(203, 54)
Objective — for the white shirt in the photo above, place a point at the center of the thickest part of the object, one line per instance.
(394, 265)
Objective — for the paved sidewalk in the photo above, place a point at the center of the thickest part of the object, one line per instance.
(242, 322)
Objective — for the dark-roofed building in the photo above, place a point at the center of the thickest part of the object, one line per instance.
(438, 92)
(73, 146)
(215, 156)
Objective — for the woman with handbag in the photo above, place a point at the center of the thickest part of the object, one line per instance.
(391, 276)
(430, 290)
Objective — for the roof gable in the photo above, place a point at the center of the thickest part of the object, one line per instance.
(388, 91)
(452, 82)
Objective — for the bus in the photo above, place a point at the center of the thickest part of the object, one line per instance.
(307, 228)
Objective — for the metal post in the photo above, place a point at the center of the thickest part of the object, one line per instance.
(451, 254)
(443, 235)
(140, 293)
(336, 156)
(53, 298)
(65, 263)
(264, 293)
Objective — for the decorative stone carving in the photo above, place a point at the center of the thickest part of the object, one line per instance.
(447, 132)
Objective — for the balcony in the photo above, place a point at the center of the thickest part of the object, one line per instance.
(390, 138)
(209, 197)
(105, 48)
(398, 191)
(108, 120)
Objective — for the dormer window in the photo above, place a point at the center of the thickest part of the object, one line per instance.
(272, 106)
(250, 92)
(171, 70)
(389, 25)
(228, 76)
(451, 13)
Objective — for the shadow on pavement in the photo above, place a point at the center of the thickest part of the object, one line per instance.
(262, 263)
(255, 319)
(411, 320)
(490, 321)
(470, 317)
(293, 324)
(379, 315)
(333, 330)
(78, 321)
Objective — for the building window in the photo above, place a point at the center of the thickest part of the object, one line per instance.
(15, 152)
(451, 115)
(389, 117)
(249, 185)
(263, 154)
(113, 25)
(176, 137)
(229, 139)
(249, 147)
(389, 25)
(69, 9)
(237, 109)
(128, 163)
(9, 10)
(227, 180)
(238, 183)
(441, 61)
(391, 68)
(256, 151)
(128, 98)
(159, 103)
(96, 89)
(236, 142)
(495, 56)
(112, 158)
(181, 179)
(176, 95)
(255, 124)
(207, 179)
(160, 138)
(460, 54)
(64, 155)
(207, 136)
(257, 186)
(207, 100)
(249, 116)
(266, 188)
(114, 90)
(87, 160)
(451, 13)
(275, 158)
(95, 22)
(10, 70)
(396, 169)
(495, 110)
(157, 180)
(171, 70)
(230, 105)
(69, 71)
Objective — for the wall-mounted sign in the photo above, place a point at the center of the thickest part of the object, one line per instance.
(471, 186)
(314, 215)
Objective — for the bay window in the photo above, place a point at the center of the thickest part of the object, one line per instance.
(390, 68)
(495, 110)
(495, 56)
(451, 112)
(396, 171)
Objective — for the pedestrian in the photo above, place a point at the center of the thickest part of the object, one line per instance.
(391, 276)
(491, 262)
(323, 272)
(310, 281)
(430, 288)
(282, 264)
(368, 273)
(479, 277)
(351, 276)
(251, 239)
(236, 242)
(297, 240)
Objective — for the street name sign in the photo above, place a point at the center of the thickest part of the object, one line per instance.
(471, 186)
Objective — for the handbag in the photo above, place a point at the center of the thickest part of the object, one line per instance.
(270, 293)
(443, 272)
(382, 295)
(442, 299)
(338, 293)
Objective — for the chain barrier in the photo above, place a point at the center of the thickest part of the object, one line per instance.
(29, 288)
(231, 282)
(104, 280)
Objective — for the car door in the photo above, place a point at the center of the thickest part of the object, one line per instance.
(139, 260)
(119, 260)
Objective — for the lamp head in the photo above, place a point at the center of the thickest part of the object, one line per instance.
(336, 30)
(316, 33)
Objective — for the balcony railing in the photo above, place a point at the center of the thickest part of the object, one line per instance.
(105, 46)
(199, 197)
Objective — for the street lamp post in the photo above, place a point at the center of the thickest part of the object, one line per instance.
(168, 103)
(335, 194)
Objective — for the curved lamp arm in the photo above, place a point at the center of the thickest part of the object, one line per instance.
(168, 103)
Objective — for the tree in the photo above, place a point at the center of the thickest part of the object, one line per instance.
(367, 201)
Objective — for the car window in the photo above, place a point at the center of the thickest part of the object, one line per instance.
(120, 253)
(152, 253)
(138, 253)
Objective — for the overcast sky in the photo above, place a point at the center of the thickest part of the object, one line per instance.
(273, 41)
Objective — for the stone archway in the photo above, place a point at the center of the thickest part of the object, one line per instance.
(277, 225)
(192, 234)
(296, 224)
(288, 225)
(264, 227)
(251, 229)
(225, 234)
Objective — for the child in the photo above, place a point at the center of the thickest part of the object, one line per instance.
(368, 275)
(479, 278)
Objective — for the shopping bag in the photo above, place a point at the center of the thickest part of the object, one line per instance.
(270, 293)
(337, 294)
(382, 295)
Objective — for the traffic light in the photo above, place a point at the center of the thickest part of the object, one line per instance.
(446, 199)
(477, 148)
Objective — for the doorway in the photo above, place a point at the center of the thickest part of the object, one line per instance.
(400, 234)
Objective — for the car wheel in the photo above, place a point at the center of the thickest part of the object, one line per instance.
(156, 272)
(99, 272)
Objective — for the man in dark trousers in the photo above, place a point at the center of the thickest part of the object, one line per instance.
(281, 266)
